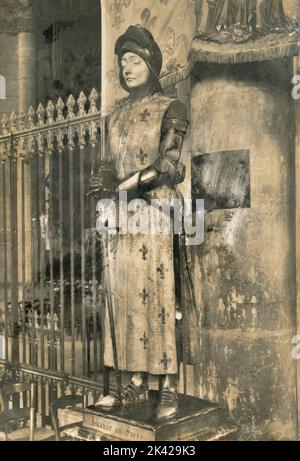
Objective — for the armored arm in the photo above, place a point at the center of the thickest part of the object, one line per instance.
(167, 168)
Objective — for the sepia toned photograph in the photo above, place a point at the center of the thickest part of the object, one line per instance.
(149, 222)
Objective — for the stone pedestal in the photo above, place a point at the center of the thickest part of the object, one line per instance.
(197, 420)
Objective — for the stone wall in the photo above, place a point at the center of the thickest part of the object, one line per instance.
(9, 69)
(245, 269)
(68, 49)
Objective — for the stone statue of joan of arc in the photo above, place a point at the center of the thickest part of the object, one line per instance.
(145, 137)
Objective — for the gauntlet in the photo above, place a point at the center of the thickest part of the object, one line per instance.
(104, 181)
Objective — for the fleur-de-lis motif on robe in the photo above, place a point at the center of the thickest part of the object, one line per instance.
(144, 295)
(162, 271)
(144, 340)
(143, 116)
(144, 251)
(165, 360)
(141, 156)
(163, 315)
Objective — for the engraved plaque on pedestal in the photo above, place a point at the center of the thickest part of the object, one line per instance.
(197, 420)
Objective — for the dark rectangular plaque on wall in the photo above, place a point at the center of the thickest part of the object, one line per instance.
(222, 179)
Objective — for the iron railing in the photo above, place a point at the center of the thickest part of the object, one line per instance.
(51, 310)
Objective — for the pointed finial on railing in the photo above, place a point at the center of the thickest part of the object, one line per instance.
(93, 99)
(60, 107)
(36, 320)
(30, 316)
(41, 115)
(4, 124)
(50, 112)
(2, 154)
(70, 105)
(40, 144)
(81, 103)
(48, 320)
(13, 121)
(55, 321)
(21, 121)
(20, 145)
(30, 117)
(60, 140)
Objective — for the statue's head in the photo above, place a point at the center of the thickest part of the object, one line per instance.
(139, 58)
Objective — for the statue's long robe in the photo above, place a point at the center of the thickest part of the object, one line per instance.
(146, 272)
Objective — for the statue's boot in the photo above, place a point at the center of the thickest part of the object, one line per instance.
(133, 392)
(168, 402)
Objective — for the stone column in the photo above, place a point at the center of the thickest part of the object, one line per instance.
(245, 268)
(245, 271)
(27, 64)
(27, 84)
(297, 162)
(20, 21)
(27, 70)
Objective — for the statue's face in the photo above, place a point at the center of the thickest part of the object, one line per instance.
(135, 71)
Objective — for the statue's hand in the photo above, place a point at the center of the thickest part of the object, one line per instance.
(104, 181)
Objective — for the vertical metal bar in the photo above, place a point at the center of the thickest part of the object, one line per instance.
(47, 313)
(41, 188)
(106, 370)
(49, 346)
(25, 396)
(184, 379)
(82, 224)
(28, 356)
(94, 288)
(41, 167)
(72, 287)
(37, 256)
(5, 281)
(61, 259)
(52, 335)
(33, 259)
(14, 273)
(14, 251)
(88, 346)
(23, 261)
(53, 361)
(26, 188)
